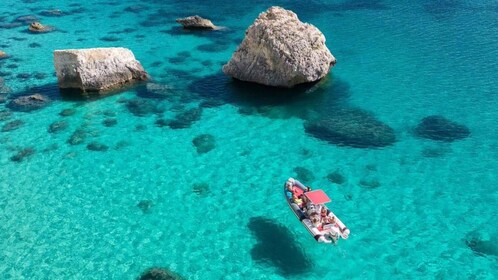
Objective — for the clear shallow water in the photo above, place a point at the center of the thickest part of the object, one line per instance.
(71, 212)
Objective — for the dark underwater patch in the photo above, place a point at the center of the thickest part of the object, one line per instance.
(142, 107)
(34, 45)
(185, 119)
(441, 129)
(336, 177)
(302, 101)
(204, 143)
(159, 273)
(352, 127)
(110, 39)
(201, 189)
(481, 245)
(304, 175)
(109, 122)
(145, 206)
(97, 147)
(22, 154)
(277, 247)
(58, 126)
(12, 125)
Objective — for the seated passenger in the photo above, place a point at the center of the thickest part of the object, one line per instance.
(323, 214)
(298, 200)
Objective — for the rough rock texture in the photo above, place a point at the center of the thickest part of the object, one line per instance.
(97, 69)
(196, 22)
(352, 127)
(28, 103)
(441, 129)
(36, 27)
(280, 50)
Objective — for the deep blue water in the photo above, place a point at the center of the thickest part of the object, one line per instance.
(417, 209)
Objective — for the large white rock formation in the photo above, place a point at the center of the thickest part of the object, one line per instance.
(97, 69)
(280, 50)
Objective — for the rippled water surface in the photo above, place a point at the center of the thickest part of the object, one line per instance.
(185, 172)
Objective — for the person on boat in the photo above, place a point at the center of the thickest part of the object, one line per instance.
(323, 214)
(298, 200)
(291, 189)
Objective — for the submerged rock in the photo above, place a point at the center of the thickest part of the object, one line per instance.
(204, 143)
(97, 147)
(201, 189)
(67, 112)
(304, 175)
(145, 205)
(28, 103)
(57, 126)
(5, 115)
(109, 122)
(78, 137)
(280, 50)
(441, 129)
(12, 125)
(352, 127)
(185, 119)
(482, 244)
(141, 107)
(195, 22)
(336, 177)
(97, 69)
(158, 273)
(37, 27)
(22, 154)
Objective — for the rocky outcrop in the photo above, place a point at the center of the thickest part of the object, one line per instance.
(28, 103)
(280, 50)
(195, 22)
(97, 69)
(36, 27)
(441, 129)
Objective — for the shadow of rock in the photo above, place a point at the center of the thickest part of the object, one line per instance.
(303, 101)
(441, 129)
(277, 247)
(352, 127)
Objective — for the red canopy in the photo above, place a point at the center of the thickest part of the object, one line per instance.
(317, 197)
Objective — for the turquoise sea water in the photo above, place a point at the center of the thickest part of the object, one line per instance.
(418, 209)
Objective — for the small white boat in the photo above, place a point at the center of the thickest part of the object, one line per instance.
(309, 207)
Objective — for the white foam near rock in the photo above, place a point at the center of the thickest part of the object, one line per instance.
(97, 69)
(280, 50)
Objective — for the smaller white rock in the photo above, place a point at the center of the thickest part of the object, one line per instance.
(97, 69)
